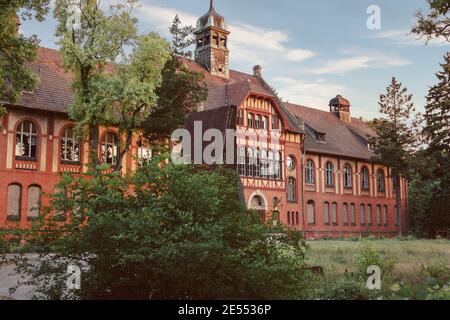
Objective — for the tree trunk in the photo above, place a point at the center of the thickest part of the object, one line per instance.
(122, 153)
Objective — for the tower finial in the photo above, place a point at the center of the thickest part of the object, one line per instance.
(211, 5)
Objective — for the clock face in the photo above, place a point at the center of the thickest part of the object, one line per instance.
(219, 62)
(290, 163)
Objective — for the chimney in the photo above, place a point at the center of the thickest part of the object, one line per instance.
(257, 71)
(341, 108)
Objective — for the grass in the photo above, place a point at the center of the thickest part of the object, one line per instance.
(412, 256)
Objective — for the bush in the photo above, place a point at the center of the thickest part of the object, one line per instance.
(165, 232)
(439, 271)
(347, 287)
(367, 256)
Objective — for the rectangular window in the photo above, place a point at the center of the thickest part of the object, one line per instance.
(326, 213)
(334, 213)
(34, 201)
(369, 215)
(345, 214)
(296, 218)
(396, 216)
(385, 216)
(289, 218)
(352, 214)
(363, 215)
(310, 212)
(379, 215)
(13, 202)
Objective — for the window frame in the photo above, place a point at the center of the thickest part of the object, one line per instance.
(329, 174)
(64, 139)
(31, 134)
(310, 178)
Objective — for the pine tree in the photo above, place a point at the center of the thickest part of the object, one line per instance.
(180, 92)
(182, 38)
(437, 134)
(397, 135)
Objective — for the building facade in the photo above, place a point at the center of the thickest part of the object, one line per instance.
(309, 169)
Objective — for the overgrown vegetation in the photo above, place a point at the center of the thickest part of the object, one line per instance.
(166, 232)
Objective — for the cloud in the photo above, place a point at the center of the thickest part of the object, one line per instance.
(344, 65)
(248, 43)
(405, 37)
(312, 94)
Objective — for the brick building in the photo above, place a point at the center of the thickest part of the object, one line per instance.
(309, 167)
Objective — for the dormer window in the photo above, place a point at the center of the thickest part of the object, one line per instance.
(320, 137)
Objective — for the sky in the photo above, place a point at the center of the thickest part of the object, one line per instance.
(310, 50)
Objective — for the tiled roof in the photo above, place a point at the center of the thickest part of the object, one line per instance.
(53, 93)
(341, 138)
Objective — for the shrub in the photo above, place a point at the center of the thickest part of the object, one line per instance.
(347, 287)
(367, 256)
(165, 232)
(439, 271)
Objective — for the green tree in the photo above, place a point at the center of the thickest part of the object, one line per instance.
(182, 38)
(435, 24)
(396, 134)
(16, 49)
(129, 96)
(180, 92)
(437, 134)
(91, 39)
(166, 232)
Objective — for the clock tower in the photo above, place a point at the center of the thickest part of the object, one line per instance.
(212, 43)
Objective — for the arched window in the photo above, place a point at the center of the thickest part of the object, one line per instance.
(326, 213)
(352, 214)
(257, 203)
(394, 185)
(144, 152)
(363, 214)
(27, 141)
(241, 161)
(110, 148)
(396, 216)
(329, 174)
(297, 222)
(257, 121)
(369, 215)
(385, 216)
(381, 187)
(70, 146)
(289, 218)
(250, 163)
(275, 122)
(34, 202)
(378, 215)
(310, 211)
(291, 190)
(345, 214)
(334, 218)
(347, 176)
(250, 120)
(277, 164)
(13, 204)
(310, 172)
(291, 163)
(365, 178)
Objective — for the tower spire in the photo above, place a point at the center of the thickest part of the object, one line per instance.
(211, 5)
